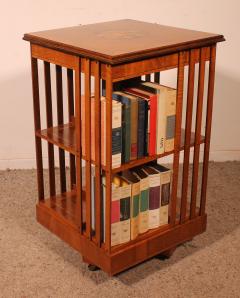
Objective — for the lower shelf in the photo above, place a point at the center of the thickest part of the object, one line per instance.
(61, 216)
(67, 207)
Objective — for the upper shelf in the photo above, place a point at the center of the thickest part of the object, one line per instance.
(64, 137)
(130, 40)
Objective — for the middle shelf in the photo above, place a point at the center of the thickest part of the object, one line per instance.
(64, 137)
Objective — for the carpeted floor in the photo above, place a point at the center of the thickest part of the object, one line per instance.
(35, 263)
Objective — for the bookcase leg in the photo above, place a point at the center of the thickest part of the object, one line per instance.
(166, 254)
(91, 267)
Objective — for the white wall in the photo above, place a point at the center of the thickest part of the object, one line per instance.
(19, 17)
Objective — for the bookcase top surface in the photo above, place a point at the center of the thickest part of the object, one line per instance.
(123, 40)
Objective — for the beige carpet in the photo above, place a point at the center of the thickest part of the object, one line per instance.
(35, 263)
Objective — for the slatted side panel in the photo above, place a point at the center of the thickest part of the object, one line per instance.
(60, 120)
(70, 91)
(97, 142)
(37, 126)
(108, 158)
(200, 93)
(87, 99)
(78, 133)
(48, 97)
(177, 141)
(211, 77)
(187, 137)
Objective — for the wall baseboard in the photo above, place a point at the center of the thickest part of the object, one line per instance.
(217, 156)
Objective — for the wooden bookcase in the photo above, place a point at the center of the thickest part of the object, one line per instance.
(116, 51)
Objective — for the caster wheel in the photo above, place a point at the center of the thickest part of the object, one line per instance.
(92, 267)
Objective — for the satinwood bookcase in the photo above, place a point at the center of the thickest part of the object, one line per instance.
(80, 58)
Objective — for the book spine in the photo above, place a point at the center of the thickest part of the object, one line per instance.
(115, 217)
(144, 205)
(134, 128)
(170, 120)
(135, 210)
(146, 127)
(116, 135)
(141, 127)
(153, 124)
(126, 126)
(125, 230)
(154, 201)
(165, 179)
(161, 125)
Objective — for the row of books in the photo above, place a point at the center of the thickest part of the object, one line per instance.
(140, 201)
(143, 122)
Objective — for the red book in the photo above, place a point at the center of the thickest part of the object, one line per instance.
(152, 106)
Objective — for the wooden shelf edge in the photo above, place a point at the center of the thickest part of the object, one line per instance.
(63, 135)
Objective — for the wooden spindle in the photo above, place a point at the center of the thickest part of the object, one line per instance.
(59, 89)
(157, 77)
(108, 157)
(78, 132)
(48, 96)
(208, 127)
(177, 140)
(88, 145)
(198, 125)
(37, 126)
(190, 94)
(71, 119)
(97, 140)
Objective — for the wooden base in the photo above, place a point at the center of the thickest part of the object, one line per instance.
(161, 241)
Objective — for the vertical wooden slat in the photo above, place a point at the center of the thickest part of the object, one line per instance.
(37, 126)
(208, 127)
(198, 124)
(190, 93)
(71, 118)
(48, 96)
(157, 77)
(78, 140)
(177, 141)
(148, 77)
(97, 140)
(108, 157)
(59, 90)
(88, 145)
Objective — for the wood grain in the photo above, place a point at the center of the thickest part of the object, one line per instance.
(59, 91)
(177, 140)
(70, 91)
(211, 78)
(129, 39)
(78, 146)
(37, 126)
(187, 142)
(198, 124)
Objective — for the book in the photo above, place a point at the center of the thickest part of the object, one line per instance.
(125, 222)
(161, 114)
(134, 207)
(152, 115)
(144, 199)
(126, 124)
(116, 132)
(142, 127)
(115, 215)
(154, 196)
(165, 185)
(171, 98)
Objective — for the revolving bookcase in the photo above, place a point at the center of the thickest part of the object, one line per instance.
(82, 57)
